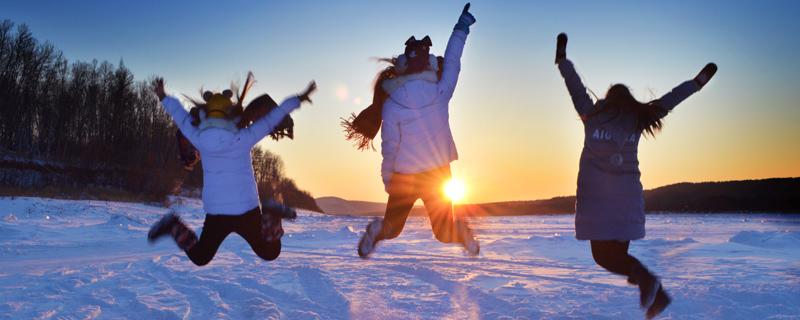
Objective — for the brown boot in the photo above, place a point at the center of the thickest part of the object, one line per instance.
(184, 237)
(271, 226)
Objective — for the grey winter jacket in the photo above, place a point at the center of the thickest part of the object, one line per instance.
(610, 202)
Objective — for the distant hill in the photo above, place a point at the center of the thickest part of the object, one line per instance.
(777, 195)
(341, 207)
(766, 195)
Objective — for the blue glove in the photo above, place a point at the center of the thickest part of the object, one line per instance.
(465, 20)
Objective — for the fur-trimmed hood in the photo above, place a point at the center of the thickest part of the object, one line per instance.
(414, 91)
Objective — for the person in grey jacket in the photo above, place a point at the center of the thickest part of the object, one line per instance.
(609, 207)
(411, 108)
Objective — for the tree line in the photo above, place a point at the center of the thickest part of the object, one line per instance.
(82, 124)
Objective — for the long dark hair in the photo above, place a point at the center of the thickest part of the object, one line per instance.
(362, 128)
(619, 100)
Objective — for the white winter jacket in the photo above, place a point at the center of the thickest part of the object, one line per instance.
(415, 132)
(229, 184)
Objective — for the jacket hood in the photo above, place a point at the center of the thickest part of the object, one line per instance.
(414, 91)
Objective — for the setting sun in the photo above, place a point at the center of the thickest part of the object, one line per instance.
(455, 189)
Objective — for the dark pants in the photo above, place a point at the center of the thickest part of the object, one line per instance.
(405, 189)
(216, 227)
(613, 256)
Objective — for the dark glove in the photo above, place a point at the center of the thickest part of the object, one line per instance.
(706, 74)
(158, 88)
(305, 96)
(465, 20)
(561, 47)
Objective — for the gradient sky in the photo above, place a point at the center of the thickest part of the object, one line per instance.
(513, 122)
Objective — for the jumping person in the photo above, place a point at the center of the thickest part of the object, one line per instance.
(410, 107)
(230, 195)
(609, 208)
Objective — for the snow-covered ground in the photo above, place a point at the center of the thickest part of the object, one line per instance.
(90, 259)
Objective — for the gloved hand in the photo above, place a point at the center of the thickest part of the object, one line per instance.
(465, 20)
(706, 74)
(305, 96)
(561, 47)
(158, 87)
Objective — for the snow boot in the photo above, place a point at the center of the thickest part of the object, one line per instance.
(162, 227)
(469, 242)
(561, 47)
(285, 212)
(370, 238)
(662, 301)
(271, 225)
(706, 74)
(648, 285)
(172, 225)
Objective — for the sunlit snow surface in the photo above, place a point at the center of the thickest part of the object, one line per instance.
(90, 259)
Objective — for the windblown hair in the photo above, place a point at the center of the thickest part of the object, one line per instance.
(619, 100)
(259, 107)
(362, 128)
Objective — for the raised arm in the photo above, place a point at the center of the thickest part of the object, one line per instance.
(452, 55)
(670, 100)
(577, 91)
(264, 126)
(175, 109)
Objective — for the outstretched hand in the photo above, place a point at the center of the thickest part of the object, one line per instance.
(158, 87)
(465, 20)
(466, 16)
(561, 47)
(706, 74)
(309, 90)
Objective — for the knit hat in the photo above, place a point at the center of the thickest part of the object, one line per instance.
(218, 105)
(417, 56)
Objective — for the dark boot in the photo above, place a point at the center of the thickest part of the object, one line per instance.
(283, 211)
(184, 237)
(662, 301)
(271, 225)
(648, 285)
(172, 225)
(162, 227)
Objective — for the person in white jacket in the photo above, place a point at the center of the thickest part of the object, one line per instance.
(411, 99)
(230, 194)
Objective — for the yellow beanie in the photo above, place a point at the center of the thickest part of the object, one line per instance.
(218, 106)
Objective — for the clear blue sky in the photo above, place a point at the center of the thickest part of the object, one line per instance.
(512, 119)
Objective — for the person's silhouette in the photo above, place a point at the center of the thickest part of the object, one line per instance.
(609, 208)
(410, 107)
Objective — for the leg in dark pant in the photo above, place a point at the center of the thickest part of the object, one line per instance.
(249, 227)
(398, 207)
(613, 256)
(440, 210)
(215, 229)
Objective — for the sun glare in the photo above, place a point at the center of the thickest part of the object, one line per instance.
(455, 190)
